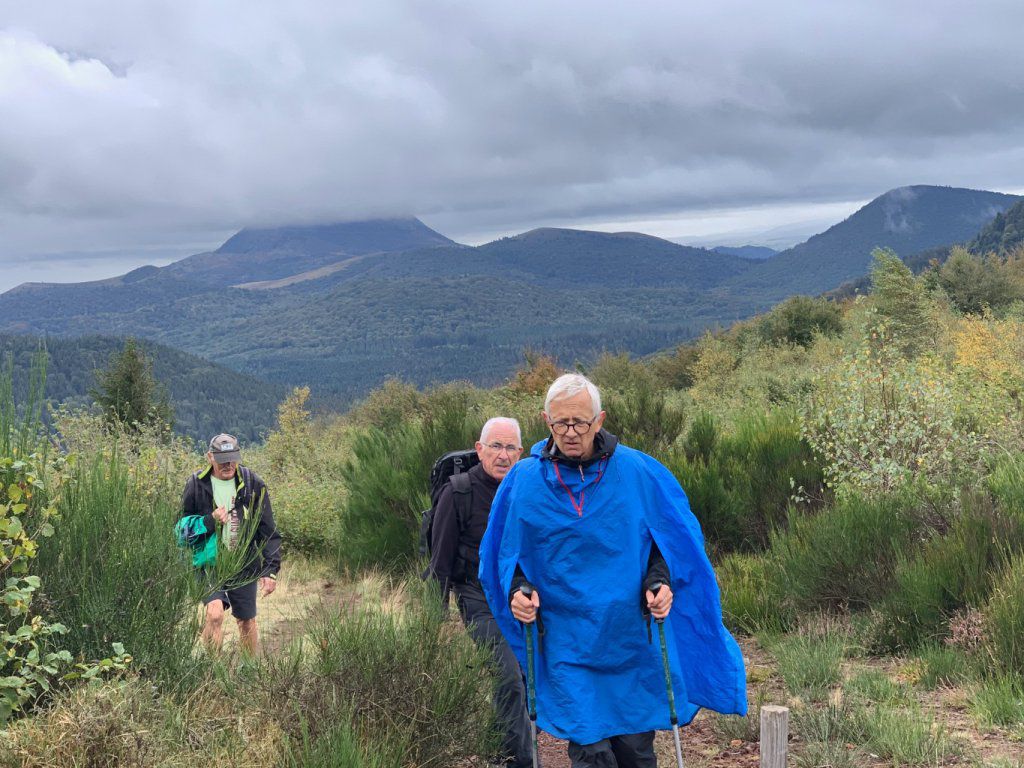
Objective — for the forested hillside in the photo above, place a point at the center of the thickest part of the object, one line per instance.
(206, 398)
(907, 220)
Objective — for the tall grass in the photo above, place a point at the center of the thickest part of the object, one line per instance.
(112, 571)
(809, 660)
(375, 683)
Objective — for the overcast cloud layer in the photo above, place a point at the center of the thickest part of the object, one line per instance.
(138, 132)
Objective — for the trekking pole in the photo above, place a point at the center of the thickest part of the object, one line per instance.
(531, 684)
(655, 588)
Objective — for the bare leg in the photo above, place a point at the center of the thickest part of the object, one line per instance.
(213, 627)
(248, 635)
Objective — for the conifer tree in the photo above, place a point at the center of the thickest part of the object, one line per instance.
(902, 303)
(128, 393)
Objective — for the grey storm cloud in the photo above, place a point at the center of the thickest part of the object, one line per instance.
(193, 117)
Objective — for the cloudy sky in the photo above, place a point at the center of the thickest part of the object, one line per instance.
(138, 132)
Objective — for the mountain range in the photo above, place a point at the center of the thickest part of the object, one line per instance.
(342, 306)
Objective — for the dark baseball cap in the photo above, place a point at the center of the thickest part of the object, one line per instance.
(225, 448)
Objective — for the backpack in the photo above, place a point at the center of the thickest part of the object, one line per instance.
(451, 467)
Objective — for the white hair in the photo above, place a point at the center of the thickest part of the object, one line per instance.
(571, 384)
(499, 421)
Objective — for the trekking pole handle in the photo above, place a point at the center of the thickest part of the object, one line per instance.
(656, 588)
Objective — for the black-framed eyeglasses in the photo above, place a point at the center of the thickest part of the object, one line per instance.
(499, 447)
(579, 427)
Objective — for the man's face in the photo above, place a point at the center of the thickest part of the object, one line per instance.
(495, 454)
(223, 471)
(576, 410)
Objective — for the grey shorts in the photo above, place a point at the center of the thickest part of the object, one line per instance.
(241, 601)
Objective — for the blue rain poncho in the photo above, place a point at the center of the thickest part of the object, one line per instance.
(597, 675)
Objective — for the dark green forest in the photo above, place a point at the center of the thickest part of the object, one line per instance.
(206, 398)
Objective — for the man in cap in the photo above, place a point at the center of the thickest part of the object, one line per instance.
(603, 534)
(226, 506)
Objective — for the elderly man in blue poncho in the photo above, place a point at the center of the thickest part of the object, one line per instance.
(591, 526)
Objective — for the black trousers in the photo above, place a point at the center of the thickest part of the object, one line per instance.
(510, 696)
(631, 750)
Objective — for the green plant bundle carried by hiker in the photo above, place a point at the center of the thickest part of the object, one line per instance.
(227, 521)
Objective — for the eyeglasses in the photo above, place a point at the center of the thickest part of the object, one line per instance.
(579, 427)
(499, 447)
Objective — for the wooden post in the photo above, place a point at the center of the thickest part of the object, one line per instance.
(774, 736)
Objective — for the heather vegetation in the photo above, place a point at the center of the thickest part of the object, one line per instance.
(857, 469)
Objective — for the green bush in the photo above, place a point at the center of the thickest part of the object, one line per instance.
(950, 573)
(752, 597)
(643, 416)
(881, 423)
(112, 571)
(1004, 619)
(28, 662)
(799, 320)
(844, 557)
(388, 484)
(740, 484)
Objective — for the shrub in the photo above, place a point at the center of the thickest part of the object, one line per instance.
(643, 416)
(1004, 619)
(950, 573)
(393, 403)
(975, 284)
(701, 438)
(388, 483)
(676, 370)
(798, 320)
(901, 300)
(112, 571)
(536, 375)
(844, 556)
(740, 485)
(399, 682)
(752, 597)
(27, 660)
(881, 423)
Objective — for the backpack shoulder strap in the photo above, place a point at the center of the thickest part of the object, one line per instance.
(462, 497)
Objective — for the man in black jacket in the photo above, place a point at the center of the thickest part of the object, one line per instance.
(226, 506)
(459, 523)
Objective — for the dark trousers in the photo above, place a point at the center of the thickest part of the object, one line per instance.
(510, 696)
(632, 750)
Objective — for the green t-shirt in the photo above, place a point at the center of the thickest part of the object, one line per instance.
(224, 496)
